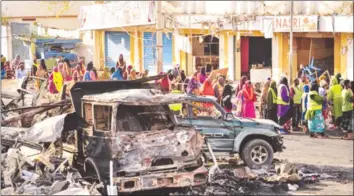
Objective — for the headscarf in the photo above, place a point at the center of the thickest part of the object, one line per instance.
(227, 90)
(133, 74)
(117, 75)
(3, 59)
(338, 77)
(273, 85)
(334, 81)
(207, 88)
(242, 83)
(105, 75)
(284, 81)
(248, 91)
(61, 69)
(57, 79)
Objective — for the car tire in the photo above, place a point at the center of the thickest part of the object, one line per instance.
(257, 153)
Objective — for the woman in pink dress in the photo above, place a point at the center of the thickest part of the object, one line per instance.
(248, 97)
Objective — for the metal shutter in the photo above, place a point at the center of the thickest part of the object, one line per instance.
(116, 43)
(150, 52)
(167, 52)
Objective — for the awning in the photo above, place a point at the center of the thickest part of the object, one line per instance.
(117, 14)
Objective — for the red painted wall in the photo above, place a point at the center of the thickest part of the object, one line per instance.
(244, 54)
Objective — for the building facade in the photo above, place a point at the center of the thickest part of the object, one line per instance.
(236, 35)
(20, 17)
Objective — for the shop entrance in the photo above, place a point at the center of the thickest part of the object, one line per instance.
(256, 52)
(322, 49)
(205, 52)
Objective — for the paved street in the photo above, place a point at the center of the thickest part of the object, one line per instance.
(331, 155)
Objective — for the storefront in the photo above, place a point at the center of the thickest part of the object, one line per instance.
(116, 43)
(205, 51)
(256, 52)
(149, 52)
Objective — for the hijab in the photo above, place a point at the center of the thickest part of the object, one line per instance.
(105, 75)
(57, 79)
(273, 85)
(133, 74)
(242, 83)
(61, 69)
(248, 90)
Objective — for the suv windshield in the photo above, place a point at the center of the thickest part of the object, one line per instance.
(142, 118)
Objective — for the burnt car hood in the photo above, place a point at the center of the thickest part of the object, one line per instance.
(156, 150)
(258, 123)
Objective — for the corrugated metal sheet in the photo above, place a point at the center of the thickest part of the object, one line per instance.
(116, 43)
(150, 52)
(167, 52)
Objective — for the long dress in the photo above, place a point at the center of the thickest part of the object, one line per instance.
(316, 123)
(248, 109)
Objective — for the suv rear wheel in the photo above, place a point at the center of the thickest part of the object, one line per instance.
(256, 153)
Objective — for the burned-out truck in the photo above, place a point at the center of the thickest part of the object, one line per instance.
(134, 128)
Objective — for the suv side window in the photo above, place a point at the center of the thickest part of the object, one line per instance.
(103, 117)
(204, 110)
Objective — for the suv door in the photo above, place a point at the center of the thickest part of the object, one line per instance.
(220, 133)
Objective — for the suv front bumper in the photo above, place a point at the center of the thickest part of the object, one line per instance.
(162, 180)
(277, 144)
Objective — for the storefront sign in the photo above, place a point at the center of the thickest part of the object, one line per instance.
(300, 24)
(116, 14)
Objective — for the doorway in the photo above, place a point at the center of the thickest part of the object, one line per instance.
(255, 52)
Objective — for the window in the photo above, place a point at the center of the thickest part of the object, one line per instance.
(142, 118)
(88, 113)
(103, 117)
(204, 110)
(211, 45)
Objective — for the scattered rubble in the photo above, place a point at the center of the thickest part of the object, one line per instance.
(61, 154)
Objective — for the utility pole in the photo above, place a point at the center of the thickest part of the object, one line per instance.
(159, 47)
(291, 42)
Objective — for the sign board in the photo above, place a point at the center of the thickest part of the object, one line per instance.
(116, 14)
(260, 75)
(300, 24)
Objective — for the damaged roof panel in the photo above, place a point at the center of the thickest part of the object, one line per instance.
(144, 97)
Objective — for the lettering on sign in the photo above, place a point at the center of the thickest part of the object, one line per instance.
(300, 23)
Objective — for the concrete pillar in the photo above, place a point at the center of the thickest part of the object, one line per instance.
(222, 56)
(237, 70)
(231, 57)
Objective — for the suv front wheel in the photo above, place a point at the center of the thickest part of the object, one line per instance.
(256, 153)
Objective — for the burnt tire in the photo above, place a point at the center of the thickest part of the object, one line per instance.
(257, 153)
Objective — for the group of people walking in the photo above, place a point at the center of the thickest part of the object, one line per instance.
(311, 104)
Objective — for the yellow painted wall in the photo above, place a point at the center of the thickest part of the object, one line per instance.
(99, 50)
(132, 49)
(340, 59)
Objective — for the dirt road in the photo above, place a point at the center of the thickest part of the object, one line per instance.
(332, 156)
